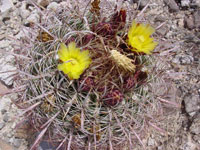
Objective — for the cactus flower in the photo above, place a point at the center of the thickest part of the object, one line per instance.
(139, 38)
(74, 60)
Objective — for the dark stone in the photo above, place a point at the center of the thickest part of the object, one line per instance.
(2, 125)
(192, 103)
(197, 19)
(173, 7)
(189, 22)
(5, 118)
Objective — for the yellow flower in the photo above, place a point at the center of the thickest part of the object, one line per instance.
(74, 60)
(139, 38)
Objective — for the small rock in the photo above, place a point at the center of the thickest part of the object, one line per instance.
(2, 125)
(189, 22)
(43, 3)
(197, 138)
(185, 3)
(195, 3)
(3, 111)
(65, 4)
(6, 5)
(13, 125)
(141, 3)
(176, 60)
(162, 31)
(195, 127)
(197, 19)
(173, 7)
(7, 77)
(5, 146)
(190, 37)
(24, 13)
(14, 1)
(151, 142)
(5, 118)
(53, 6)
(4, 43)
(17, 143)
(186, 60)
(22, 34)
(2, 36)
(46, 146)
(191, 103)
(4, 88)
(9, 135)
(160, 18)
(181, 22)
(33, 18)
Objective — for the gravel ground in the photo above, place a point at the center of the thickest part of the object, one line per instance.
(178, 22)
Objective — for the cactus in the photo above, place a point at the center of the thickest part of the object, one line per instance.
(104, 108)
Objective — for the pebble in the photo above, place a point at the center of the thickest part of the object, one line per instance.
(65, 4)
(173, 7)
(43, 3)
(141, 3)
(181, 23)
(33, 18)
(191, 103)
(189, 22)
(17, 143)
(9, 135)
(3, 111)
(183, 59)
(24, 13)
(151, 142)
(195, 3)
(160, 18)
(53, 6)
(186, 60)
(13, 125)
(46, 146)
(7, 77)
(6, 117)
(185, 3)
(197, 19)
(4, 43)
(2, 124)
(162, 31)
(6, 5)
(195, 127)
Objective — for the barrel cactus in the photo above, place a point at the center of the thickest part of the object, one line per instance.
(83, 69)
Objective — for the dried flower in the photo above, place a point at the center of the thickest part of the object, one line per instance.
(87, 83)
(44, 36)
(96, 129)
(76, 120)
(95, 7)
(113, 98)
(122, 61)
(104, 29)
(129, 83)
(118, 20)
(48, 104)
(74, 60)
(139, 38)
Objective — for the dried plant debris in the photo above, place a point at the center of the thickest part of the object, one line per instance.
(85, 82)
(95, 7)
